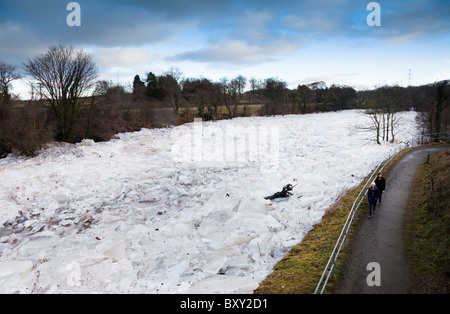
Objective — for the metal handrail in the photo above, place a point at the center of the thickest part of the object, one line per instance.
(329, 268)
(430, 137)
(343, 236)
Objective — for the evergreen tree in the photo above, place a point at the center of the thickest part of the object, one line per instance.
(139, 88)
(152, 85)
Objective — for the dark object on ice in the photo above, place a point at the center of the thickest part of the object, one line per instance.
(286, 192)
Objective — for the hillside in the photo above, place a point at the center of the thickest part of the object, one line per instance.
(428, 226)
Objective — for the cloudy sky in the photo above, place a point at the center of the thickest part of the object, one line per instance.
(296, 41)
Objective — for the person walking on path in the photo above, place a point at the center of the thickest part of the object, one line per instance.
(380, 182)
(381, 240)
(372, 195)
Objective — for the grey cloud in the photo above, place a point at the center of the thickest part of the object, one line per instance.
(257, 30)
(417, 19)
(103, 22)
(238, 52)
(229, 51)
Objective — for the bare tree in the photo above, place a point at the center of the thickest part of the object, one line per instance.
(239, 82)
(234, 94)
(169, 90)
(176, 74)
(442, 94)
(66, 75)
(275, 94)
(254, 86)
(306, 96)
(383, 104)
(226, 92)
(201, 93)
(8, 73)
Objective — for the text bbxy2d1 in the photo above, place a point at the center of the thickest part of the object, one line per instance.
(226, 304)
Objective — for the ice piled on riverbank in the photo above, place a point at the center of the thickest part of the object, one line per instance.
(177, 210)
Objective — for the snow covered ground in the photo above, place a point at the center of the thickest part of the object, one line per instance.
(177, 210)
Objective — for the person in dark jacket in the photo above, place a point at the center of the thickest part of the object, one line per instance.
(380, 181)
(372, 195)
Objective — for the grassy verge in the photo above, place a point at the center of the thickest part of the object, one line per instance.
(300, 270)
(427, 226)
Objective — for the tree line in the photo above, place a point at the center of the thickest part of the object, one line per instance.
(68, 103)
